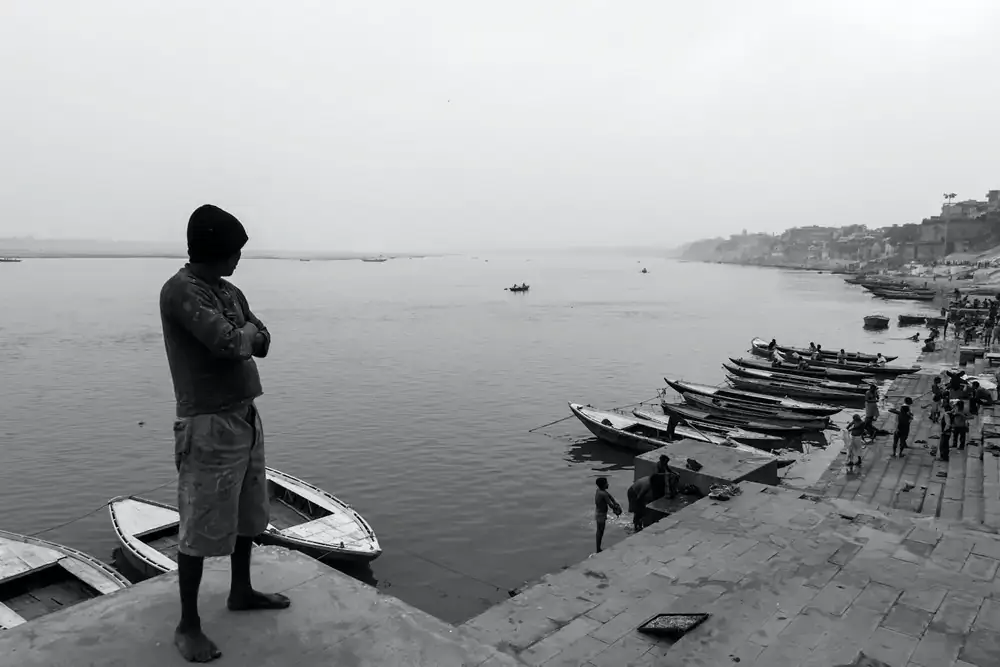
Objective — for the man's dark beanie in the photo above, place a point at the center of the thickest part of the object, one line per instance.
(214, 235)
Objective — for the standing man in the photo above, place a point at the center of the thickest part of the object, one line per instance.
(211, 338)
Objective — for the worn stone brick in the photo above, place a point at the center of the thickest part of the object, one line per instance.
(989, 547)
(558, 641)
(625, 651)
(878, 597)
(937, 648)
(610, 608)
(908, 620)
(989, 616)
(951, 552)
(891, 647)
(577, 653)
(980, 567)
(925, 535)
(630, 619)
(982, 648)
(835, 598)
(928, 598)
(957, 613)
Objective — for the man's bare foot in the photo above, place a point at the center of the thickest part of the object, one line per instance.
(195, 646)
(252, 600)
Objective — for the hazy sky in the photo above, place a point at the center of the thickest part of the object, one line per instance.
(454, 124)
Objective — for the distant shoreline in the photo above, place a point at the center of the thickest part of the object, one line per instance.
(289, 258)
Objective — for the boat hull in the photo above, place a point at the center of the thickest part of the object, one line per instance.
(815, 383)
(758, 346)
(795, 391)
(754, 411)
(814, 371)
(802, 407)
(685, 411)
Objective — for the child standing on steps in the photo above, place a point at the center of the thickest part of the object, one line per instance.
(602, 501)
(937, 393)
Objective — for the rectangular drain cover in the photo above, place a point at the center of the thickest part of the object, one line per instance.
(672, 626)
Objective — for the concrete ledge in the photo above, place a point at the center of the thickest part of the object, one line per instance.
(334, 620)
(720, 465)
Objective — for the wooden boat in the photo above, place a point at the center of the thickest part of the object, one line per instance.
(759, 347)
(302, 517)
(791, 405)
(310, 520)
(907, 320)
(876, 322)
(516, 288)
(818, 383)
(685, 412)
(789, 390)
(877, 371)
(641, 435)
(752, 438)
(755, 411)
(38, 577)
(936, 321)
(10, 260)
(377, 260)
(813, 371)
(904, 296)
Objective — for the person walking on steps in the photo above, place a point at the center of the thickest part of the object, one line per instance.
(959, 425)
(211, 337)
(903, 420)
(871, 410)
(854, 432)
(602, 501)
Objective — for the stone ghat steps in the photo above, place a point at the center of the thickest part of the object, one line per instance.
(964, 489)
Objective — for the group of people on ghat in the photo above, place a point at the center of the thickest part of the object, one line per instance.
(971, 325)
(955, 405)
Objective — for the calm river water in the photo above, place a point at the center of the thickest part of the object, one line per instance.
(406, 388)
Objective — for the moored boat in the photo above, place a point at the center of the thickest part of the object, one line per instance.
(38, 577)
(819, 383)
(898, 295)
(876, 322)
(789, 390)
(877, 371)
(303, 518)
(813, 371)
(759, 347)
(791, 405)
(685, 411)
(746, 410)
(317, 523)
(906, 320)
(752, 438)
(642, 436)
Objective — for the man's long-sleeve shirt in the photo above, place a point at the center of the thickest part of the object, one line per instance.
(210, 356)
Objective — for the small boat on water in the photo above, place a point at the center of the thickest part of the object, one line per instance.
(518, 288)
(644, 271)
(754, 411)
(752, 438)
(38, 577)
(936, 321)
(9, 260)
(773, 376)
(908, 320)
(759, 347)
(813, 371)
(686, 412)
(641, 435)
(376, 260)
(876, 322)
(303, 518)
(788, 404)
(789, 390)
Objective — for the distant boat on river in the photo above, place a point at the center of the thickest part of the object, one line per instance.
(378, 259)
(10, 260)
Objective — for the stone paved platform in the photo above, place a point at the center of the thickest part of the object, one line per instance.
(790, 580)
(334, 620)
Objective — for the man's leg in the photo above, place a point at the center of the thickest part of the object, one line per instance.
(253, 516)
(600, 534)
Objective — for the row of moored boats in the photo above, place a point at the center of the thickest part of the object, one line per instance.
(40, 577)
(778, 393)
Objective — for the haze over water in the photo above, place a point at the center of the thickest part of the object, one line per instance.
(406, 389)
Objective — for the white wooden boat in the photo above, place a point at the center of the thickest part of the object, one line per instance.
(310, 520)
(38, 577)
(148, 533)
(303, 518)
